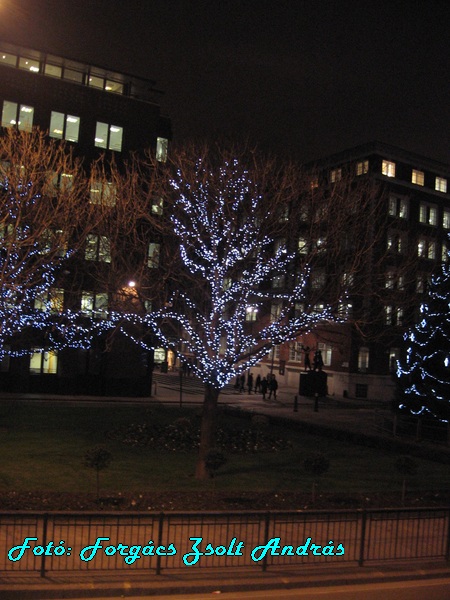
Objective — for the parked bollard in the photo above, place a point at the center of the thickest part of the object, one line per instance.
(316, 402)
(295, 404)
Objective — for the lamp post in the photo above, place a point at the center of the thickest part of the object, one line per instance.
(251, 311)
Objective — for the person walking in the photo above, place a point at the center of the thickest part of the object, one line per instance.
(273, 386)
(250, 383)
(264, 386)
(258, 383)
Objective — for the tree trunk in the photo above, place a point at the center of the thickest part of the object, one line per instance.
(207, 430)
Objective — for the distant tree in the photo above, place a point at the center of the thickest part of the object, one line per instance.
(407, 467)
(423, 375)
(99, 459)
(316, 465)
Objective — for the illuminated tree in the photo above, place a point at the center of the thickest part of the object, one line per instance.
(245, 282)
(44, 219)
(424, 374)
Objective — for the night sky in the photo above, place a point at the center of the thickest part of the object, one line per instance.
(306, 78)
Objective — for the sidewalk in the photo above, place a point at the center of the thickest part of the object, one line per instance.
(341, 417)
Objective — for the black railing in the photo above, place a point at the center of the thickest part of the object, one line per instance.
(51, 542)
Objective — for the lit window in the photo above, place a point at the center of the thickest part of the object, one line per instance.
(113, 86)
(335, 175)
(53, 70)
(318, 308)
(275, 311)
(362, 167)
(53, 301)
(98, 248)
(44, 362)
(72, 75)
(426, 248)
(153, 255)
(326, 351)
(389, 280)
(421, 247)
(302, 245)
(227, 283)
(157, 205)
(446, 219)
(440, 185)
(64, 126)
(274, 354)
(393, 315)
(388, 168)
(398, 206)
(8, 59)
(251, 313)
(428, 214)
(103, 193)
(345, 310)
(29, 64)
(95, 305)
(363, 359)
(66, 181)
(19, 115)
(314, 183)
(418, 177)
(97, 82)
(295, 351)
(162, 145)
(321, 244)
(432, 215)
(396, 242)
(394, 356)
(108, 136)
(347, 280)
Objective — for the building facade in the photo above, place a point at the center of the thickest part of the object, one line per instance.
(360, 361)
(96, 111)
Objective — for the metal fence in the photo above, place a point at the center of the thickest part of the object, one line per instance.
(52, 542)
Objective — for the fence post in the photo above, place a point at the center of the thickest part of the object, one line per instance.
(266, 539)
(363, 538)
(160, 532)
(447, 551)
(44, 543)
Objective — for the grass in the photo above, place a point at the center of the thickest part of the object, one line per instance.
(42, 448)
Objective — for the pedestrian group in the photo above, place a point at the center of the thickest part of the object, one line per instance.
(262, 385)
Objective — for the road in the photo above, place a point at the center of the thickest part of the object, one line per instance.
(435, 589)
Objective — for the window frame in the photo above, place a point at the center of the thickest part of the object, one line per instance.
(105, 142)
(66, 118)
(388, 168)
(418, 177)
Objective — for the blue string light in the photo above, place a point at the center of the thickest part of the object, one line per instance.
(424, 374)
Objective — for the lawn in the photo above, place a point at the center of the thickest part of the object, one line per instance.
(42, 448)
